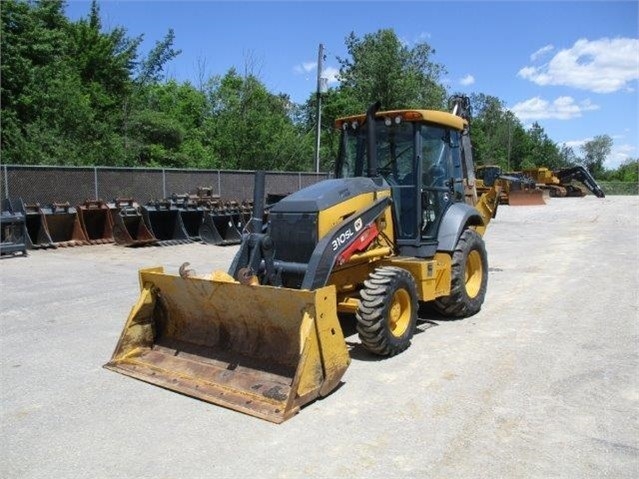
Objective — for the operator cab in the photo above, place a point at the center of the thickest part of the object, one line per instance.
(488, 174)
(419, 156)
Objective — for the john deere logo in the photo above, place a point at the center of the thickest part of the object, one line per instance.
(358, 224)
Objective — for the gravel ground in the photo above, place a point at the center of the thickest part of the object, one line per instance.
(543, 382)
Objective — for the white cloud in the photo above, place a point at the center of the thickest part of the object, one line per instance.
(467, 80)
(562, 108)
(331, 74)
(305, 67)
(618, 155)
(422, 37)
(602, 66)
(576, 144)
(541, 52)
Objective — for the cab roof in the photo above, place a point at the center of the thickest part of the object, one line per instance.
(431, 116)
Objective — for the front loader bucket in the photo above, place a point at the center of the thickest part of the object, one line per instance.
(526, 197)
(96, 221)
(64, 226)
(164, 221)
(260, 350)
(129, 228)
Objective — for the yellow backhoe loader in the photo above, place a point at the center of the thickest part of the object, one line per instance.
(400, 224)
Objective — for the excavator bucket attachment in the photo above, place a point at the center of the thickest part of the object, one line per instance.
(220, 228)
(96, 221)
(260, 350)
(63, 224)
(192, 215)
(129, 228)
(37, 232)
(526, 197)
(13, 227)
(165, 222)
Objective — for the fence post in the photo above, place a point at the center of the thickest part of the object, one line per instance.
(95, 182)
(6, 183)
(163, 183)
(219, 184)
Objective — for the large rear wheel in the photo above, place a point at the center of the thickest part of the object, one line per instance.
(387, 313)
(469, 278)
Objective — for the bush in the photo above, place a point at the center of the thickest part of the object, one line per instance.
(619, 188)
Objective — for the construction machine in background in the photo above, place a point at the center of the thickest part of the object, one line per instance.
(560, 183)
(517, 188)
(401, 224)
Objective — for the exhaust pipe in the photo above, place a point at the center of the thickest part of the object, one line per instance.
(257, 219)
(371, 147)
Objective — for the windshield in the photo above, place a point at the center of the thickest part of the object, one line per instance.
(417, 160)
(395, 151)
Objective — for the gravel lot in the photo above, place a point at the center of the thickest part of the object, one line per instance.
(543, 382)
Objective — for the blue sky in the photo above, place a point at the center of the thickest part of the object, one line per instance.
(571, 66)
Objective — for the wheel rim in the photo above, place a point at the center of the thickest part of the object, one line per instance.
(474, 273)
(399, 313)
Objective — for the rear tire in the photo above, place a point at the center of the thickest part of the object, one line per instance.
(387, 314)
(469, 278)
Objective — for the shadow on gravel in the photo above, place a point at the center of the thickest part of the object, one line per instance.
(425, 321)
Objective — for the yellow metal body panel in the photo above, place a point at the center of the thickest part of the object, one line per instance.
(433, 116)
(542, 175)
(432, 276)
(260, 350)
(331, 217)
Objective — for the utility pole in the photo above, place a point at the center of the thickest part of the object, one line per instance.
(320, 67)
(510, 138)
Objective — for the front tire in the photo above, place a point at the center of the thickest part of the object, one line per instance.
(469, 278)
(387, 314)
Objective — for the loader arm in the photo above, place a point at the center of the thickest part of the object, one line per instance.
(487, 205)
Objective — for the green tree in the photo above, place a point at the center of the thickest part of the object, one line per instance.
(251, 128)
(166, 126)
(544, 152)
(151, 68)
(378, 67)
(629, 171)
(63, 85)
(33, 43)
(568, 156)
(336, 103)
(381, 67)
(595, 152)
(492, 129)
(499, 138)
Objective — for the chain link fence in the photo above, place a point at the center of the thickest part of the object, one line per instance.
(55, 184)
